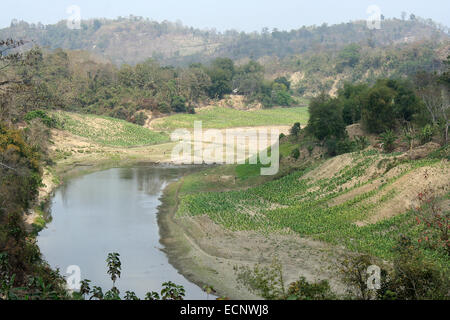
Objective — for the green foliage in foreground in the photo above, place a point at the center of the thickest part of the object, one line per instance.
(108, 131)
(222, 118)
(301, 205)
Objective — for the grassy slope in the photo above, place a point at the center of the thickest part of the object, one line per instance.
(221, 118)
(109, 131)
(304, 205)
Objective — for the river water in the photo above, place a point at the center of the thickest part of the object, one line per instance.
(113, 211)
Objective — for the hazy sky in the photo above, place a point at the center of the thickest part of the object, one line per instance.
(246, 15)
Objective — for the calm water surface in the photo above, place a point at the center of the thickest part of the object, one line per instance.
(113, 211)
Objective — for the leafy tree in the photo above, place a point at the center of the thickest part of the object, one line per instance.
(221, 73)
(387, 104)
(326, 118)
(179, 104)
(295, 130)
(351, 98)
(280, 95)
(377, 112)
(349, 56)
(284, 81)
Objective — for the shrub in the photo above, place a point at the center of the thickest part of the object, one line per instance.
(414, 277)
(388, 140)
(426, 134)
(303, 290)
(164, 108)
(265, 281)
(140, 119)
(295, 154)
(361, 142)
(353, 269)
(43, 116)
(295, 130)
(179, 104)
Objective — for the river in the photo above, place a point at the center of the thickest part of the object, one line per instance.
(113, 211)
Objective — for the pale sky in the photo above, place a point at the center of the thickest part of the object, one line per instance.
(241, 15)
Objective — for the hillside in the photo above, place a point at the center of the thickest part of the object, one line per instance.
(313, 58)
(134, 39)
(359, 202)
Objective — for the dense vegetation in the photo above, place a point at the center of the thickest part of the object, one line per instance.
(73, 82)
(389, 105)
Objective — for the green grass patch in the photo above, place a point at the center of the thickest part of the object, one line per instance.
(222, 118)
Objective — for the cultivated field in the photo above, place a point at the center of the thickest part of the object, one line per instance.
(222, 118)
(108, 131)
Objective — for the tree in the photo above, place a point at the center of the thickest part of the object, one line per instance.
(351, 98)
(325, 120)
(221, 73)
(434, 92)
(179, 104)
(377, 112)
(349, 56)
(283, 80)
(280, 95)
(295, 130)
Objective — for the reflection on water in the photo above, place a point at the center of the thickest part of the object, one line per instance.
(113, 211)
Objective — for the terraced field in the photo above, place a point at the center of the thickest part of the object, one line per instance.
(222, 118)
(338, 201)
(108, 131)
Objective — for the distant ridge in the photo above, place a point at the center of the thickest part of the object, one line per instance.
(135, 39)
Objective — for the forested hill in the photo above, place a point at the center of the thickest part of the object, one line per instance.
(134, 39)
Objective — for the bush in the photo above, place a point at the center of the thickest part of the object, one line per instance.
(413, 277)
(303, 290)
(388, 140)
(179, 104)
(295, 154)
(337, 147)
(295, 130)
(426, 134)
(140, 119)
(43, 116)
(264, 281)
(164, 108)
(361, 142)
